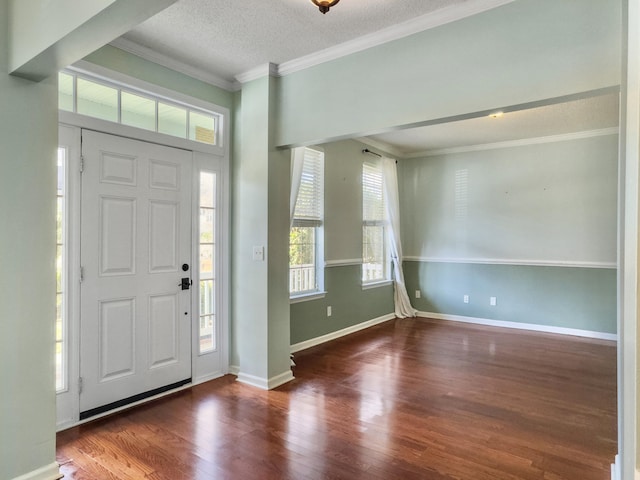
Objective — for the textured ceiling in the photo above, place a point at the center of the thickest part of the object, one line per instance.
(230, 37)
(592, 113)
(223, 39)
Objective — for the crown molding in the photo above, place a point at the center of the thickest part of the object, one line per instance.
(168, 62)
(517, 143)
(267, 69)
(395, 32)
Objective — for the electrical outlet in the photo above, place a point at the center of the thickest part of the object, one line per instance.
(417, 293)
(493, 301)
(329, 311)
(465, 299)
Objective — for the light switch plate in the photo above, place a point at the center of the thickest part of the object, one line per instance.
(258, 253)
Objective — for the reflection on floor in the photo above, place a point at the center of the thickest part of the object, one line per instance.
(407, 399)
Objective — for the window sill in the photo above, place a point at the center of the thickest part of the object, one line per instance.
(305, 297)
(383, 283)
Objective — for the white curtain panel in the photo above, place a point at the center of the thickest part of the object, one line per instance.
(297, 162)
(392, 203)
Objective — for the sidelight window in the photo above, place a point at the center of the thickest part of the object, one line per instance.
(207, 255)
(61, 317)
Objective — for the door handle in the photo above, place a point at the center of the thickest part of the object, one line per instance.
(185, 283)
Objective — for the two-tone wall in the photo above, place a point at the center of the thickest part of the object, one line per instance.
(350, 304)
(533, 225)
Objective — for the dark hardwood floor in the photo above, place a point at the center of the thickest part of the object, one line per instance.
(407, 399)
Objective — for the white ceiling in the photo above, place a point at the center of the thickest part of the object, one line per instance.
(587, 114)
(222, 40)
(225, 38)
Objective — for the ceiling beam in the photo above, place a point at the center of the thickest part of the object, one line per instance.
(47, 36)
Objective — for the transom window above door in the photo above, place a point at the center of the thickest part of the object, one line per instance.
(106, 100)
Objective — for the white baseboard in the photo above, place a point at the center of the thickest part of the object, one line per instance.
(284, 377)
(615, 469)
(234, 369)
(48, 472)
(206, 378)
(340, 333)
(521, 326)
(264, 383)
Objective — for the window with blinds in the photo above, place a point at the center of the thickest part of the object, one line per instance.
(374, 221)
(305, 238)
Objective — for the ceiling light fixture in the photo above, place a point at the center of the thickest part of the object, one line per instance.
(496, 114)
(325, 5)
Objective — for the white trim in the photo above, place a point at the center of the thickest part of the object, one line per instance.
(523, 142)
(104, 126)
(265, 70)
(206, 378)
(124, 407)
(306, 297)
(629, 248)
(520, 326)
(67, 403)
(395, 32)
(173, 64)
(48, 472)
(615, 469)
(263, 383)
(340, 333)
(381, 283)
(220, 155)
(347, 262)
(234, 370)
(514, 261)
(119, 80)
(112, 76)
(284, 377)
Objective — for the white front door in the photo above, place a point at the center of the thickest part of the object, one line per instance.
(135, 248)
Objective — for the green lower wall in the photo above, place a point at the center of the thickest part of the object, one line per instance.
(350, 305)
(570, 297)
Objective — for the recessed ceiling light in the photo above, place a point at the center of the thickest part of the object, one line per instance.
(496, 114)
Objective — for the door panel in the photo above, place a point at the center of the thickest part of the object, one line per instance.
(135, 236)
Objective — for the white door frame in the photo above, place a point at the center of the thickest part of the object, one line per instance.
(207, 157)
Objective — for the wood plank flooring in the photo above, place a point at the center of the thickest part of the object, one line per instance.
(407, 399)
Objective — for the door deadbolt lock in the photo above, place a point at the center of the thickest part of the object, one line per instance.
(185, 283)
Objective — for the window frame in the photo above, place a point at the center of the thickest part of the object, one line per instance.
(191, 107)
(62, 243)
(383, 222)
(318, 225)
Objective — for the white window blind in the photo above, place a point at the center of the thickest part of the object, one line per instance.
(310, 202)
(305, 238)
(374, 243)
(372, 193)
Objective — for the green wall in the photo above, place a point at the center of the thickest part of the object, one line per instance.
(533, 225)
(343, 246)
(578, 298)
(549, 202)
(134, 66)
(260, 218)
(28, 136)
(350, 305)
(525, 51)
